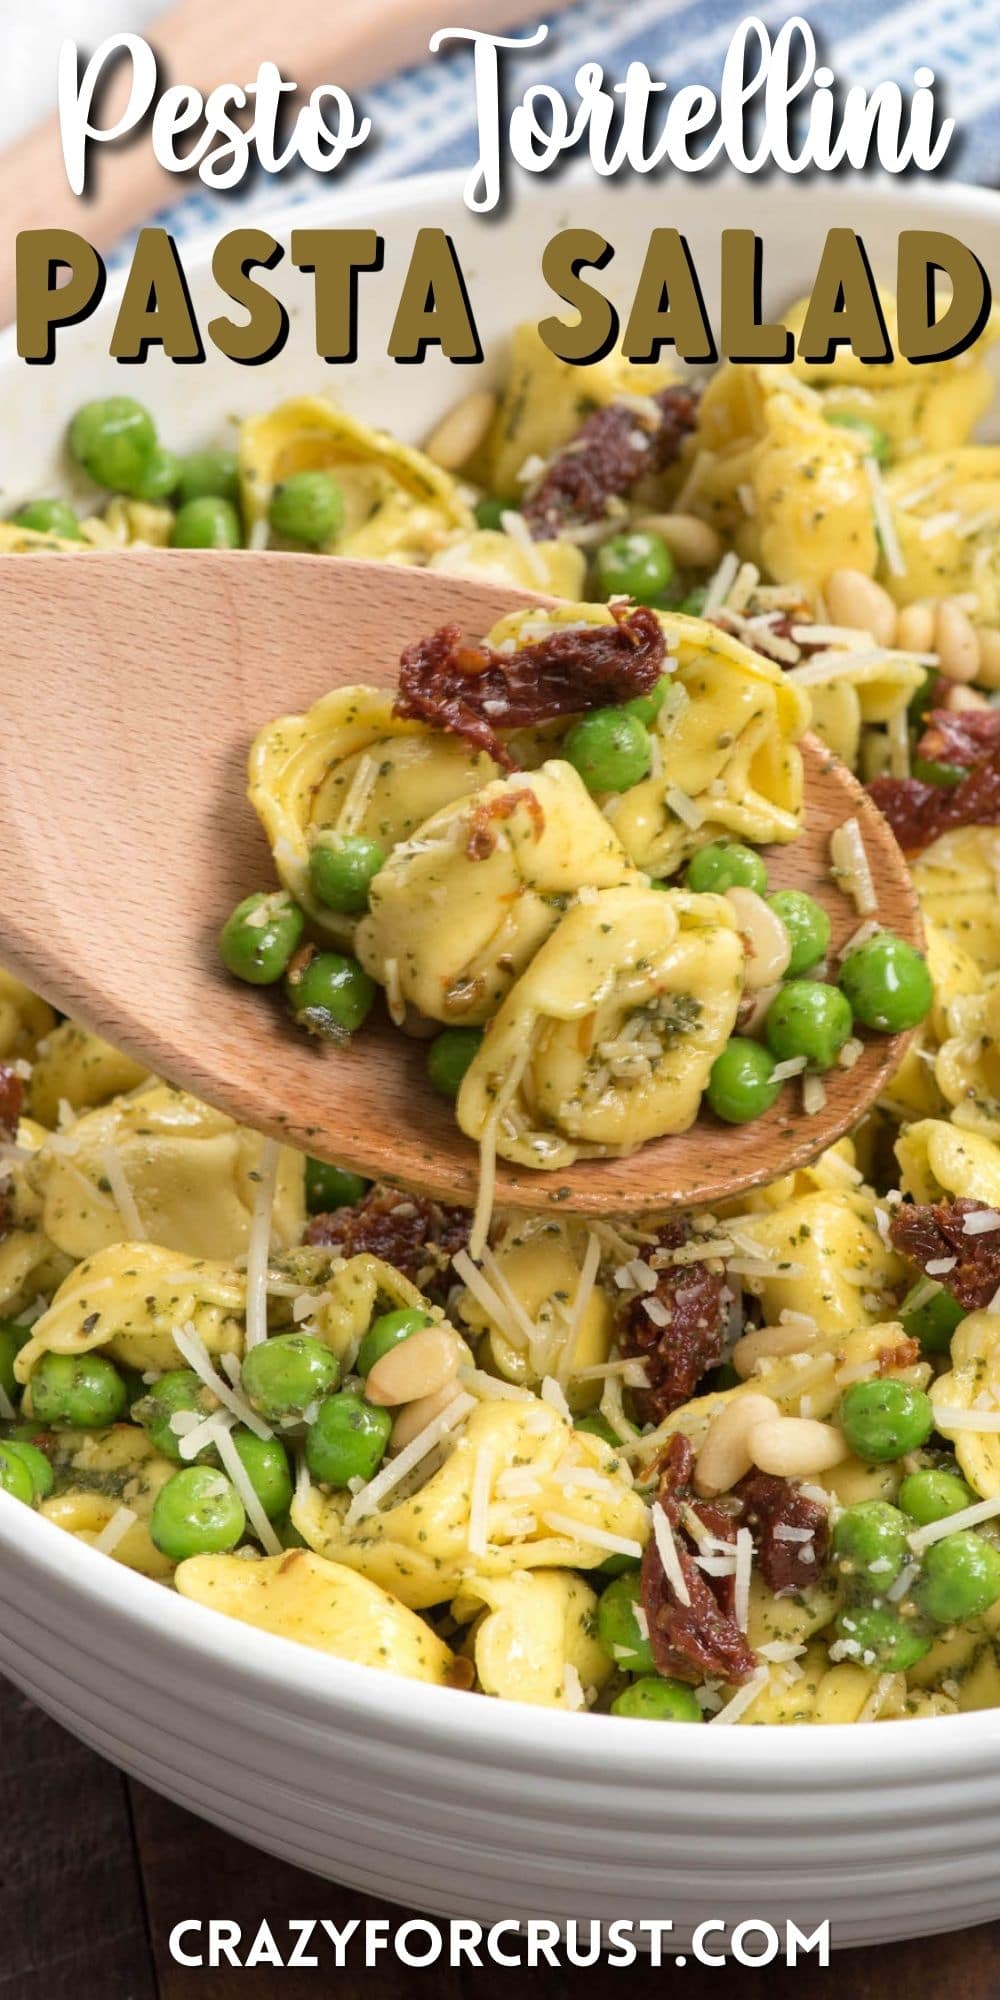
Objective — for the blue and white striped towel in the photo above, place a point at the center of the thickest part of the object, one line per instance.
(424, 118)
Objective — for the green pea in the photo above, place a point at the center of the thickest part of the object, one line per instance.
(693, 604)
(15, 1477)
(887, 983)
(653, 1699)
(935, 771)
(610, 749)
(740, 1085)
(725, 1376)
(308, 507)
(42, 1476)
(348, 1439)
(83, 1391)
(284, 1376)
(330, 1187)
(636, 565)
(883, 1419)
(725, 864)
(960, 1578)
(647, 706)
(208, 523)
(159, 480)
(12, 1339)
(618, 1628)
(265, 1462)
(258, 942)
(807, 924)
(179, 1390)
(594, 1425)
(807, 1018)
(878, 1637)
(490, 512)
(387, 1331)
(341, 872)
(449, 1056)
(876, 443)
(209, 475)
(330, 995)
(198, 1512)
(933, 1494)
(113, 440)
(933, 1322)
(869, 1542)
(49, 517)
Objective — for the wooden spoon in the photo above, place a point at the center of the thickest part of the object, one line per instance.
(133, 686)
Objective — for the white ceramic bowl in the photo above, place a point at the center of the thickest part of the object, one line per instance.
(444, 1800)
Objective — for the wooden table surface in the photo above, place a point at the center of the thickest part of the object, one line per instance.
(95, 1871)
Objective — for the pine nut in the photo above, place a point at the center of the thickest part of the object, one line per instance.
(753, 1007)
(416, 1416)
(725, 1453)
(766, 1341)
(955, 642)
(694, 543)
(419, 1366)
(959, 698)
(856, 600)
(461, 432)
(793, 1447)
(989, 657)
(915, 629)
(768, 945)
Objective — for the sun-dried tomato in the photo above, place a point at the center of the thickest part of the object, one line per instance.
(613, 448)
(903, 1355)
(932, 1232)
(698, 1639)
(11, 1100)
(960, 736)
(677, 1353)
(474, 691)
(486, 815)
(919, 812)
(416, 1235)
(768, 1504)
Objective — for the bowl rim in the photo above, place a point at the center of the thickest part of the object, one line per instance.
(283, 1673)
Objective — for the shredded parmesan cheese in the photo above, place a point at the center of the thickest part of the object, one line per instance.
(372, 1495)
(240, 1477)
(884, 522)
(124, 1199)
(114, 1530)
(259, 1246)
(663, 1535)
(598, 1538)
(967, 1517)
(744, 1697)
(189, 1344)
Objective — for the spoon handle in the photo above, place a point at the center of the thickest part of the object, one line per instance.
(313, 43)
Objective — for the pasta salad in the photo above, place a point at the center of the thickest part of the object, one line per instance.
(738, 1466)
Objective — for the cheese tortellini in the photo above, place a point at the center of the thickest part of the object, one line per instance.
(159, 1163)
(462, 906)
(399, 506)
(540, 1511)
(349, 766)
(608, 1038)
(319, 1604)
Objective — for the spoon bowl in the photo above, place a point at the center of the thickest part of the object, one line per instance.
(134, 684)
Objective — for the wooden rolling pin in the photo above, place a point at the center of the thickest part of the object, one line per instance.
(204, 45)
